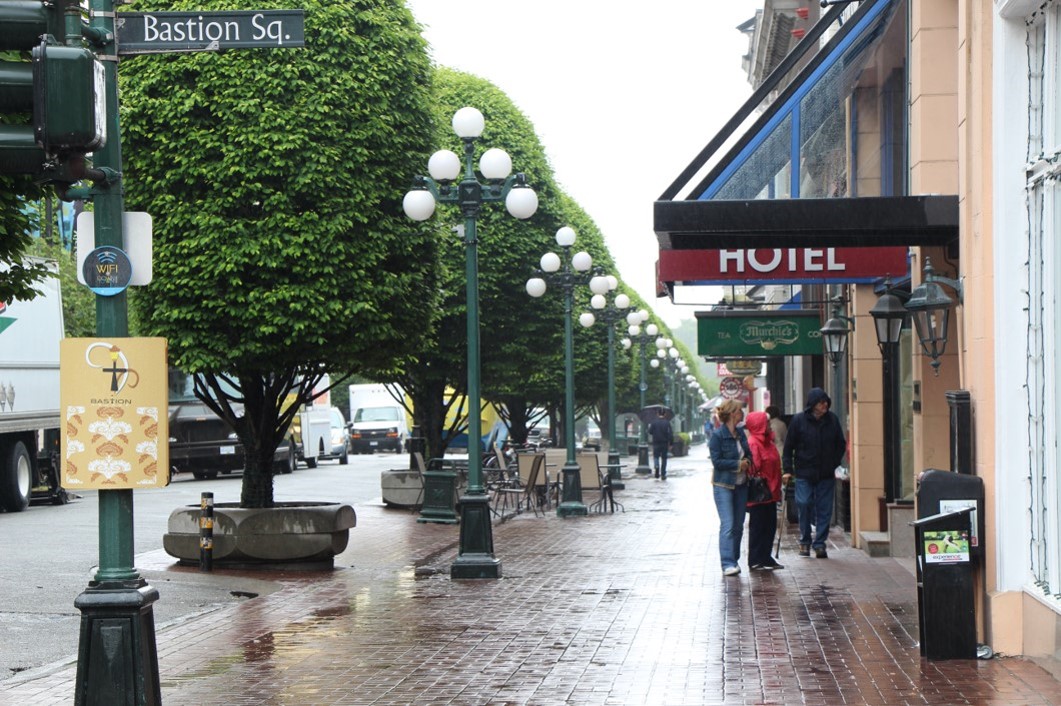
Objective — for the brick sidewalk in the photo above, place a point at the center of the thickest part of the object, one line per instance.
(629, 608)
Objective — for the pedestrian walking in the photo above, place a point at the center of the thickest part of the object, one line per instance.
(814, 447)
(762, 516)
(730, 461)
(660, 432)
(778, 427)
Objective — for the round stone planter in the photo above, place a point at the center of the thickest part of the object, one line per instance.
(303, 536)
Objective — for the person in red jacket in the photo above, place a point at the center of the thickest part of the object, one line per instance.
(762, 517)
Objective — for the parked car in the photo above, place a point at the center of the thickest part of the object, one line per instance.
(203, 444)
(591, 439)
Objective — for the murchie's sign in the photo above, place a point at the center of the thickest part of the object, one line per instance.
(758, 334)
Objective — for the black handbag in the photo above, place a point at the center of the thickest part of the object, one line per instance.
(758, 490)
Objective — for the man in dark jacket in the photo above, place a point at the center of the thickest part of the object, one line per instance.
(814, 447)
(660, 432)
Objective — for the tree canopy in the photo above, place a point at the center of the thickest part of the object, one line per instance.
(275, 180)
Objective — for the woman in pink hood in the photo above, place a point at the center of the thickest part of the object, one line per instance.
(762, 517)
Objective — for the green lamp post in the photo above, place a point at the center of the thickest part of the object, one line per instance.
(634, 320)
(117, 655)
(475, 555)
(568, 272)
(610, 315)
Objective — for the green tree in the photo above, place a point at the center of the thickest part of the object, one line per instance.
(18, 220)
(79, 306)
(275, 181)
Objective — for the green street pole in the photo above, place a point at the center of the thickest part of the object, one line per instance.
(567, 272)
(117, 655)
(615, 476)
(475, 554)
(610, 314)
(643, 468)
(571, 504)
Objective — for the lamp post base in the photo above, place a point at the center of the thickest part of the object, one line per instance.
(475, 555)
(571, 504)
(117, 660)
(615, 474)
(643, 469)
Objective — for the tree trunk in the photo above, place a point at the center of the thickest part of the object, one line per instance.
(517, 419)
(257, 491)
(429, 415)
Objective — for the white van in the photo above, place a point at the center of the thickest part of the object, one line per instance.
(377, 421)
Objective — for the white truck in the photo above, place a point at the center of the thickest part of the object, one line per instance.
(30, 420)
(377, 420)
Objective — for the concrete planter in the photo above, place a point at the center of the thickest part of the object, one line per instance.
(289, 536)
(402, 488)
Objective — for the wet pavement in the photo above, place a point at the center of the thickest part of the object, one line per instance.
(624, 608)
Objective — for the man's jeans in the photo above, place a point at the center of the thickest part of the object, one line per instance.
(659, 458)
(731, 505)
(814, 501)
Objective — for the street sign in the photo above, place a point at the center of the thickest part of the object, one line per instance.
(154, 32)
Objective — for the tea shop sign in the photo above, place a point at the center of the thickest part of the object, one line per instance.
(758, 334)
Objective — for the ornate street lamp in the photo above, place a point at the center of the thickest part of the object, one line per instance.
(834, 336)
(930, 307)
(634, 320)
(475, 555)
(610, 315)
(567, 273)
(888, 315)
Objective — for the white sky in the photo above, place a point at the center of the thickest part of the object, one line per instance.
(622, 95)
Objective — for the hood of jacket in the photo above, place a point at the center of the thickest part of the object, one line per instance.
(757, 424)
(815, 396)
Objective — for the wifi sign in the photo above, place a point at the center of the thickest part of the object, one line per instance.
(107, 270)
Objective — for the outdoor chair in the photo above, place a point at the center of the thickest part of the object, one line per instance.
(499, 471)
(525, 489)
(595, 482)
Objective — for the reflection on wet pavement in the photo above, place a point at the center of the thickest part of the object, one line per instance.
(629, 608)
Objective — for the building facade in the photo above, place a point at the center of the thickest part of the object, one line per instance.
(933, 126)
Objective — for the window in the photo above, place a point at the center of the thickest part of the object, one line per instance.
(1042, 352)
(839, 128)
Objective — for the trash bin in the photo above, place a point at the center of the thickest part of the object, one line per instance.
(948, 548)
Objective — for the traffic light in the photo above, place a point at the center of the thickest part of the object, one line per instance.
(51, 106)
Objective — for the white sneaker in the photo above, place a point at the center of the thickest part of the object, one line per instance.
(731, 571)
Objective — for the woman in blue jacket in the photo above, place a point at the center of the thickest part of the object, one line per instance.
(730, 459)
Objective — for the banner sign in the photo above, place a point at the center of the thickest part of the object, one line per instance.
(781, 265)
(115, 402)
(739, 368)
(758, 334)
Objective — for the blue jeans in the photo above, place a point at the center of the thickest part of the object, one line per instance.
(814, 501)
(659, 458)
(731, 505)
